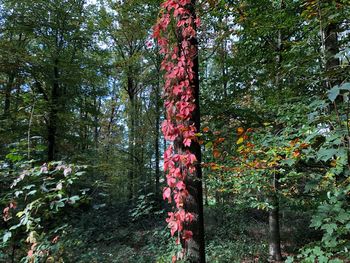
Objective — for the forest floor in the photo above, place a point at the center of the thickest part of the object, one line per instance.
(232, 235)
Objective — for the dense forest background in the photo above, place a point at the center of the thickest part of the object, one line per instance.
(81, 107)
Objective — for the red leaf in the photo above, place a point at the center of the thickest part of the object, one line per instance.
(189, 217)
(197, 21)
(187, 142)
(167, 194)
(55, 239)
(173, 227)
(180, 185)
(171, 181)
(169, 131)
(187, 234)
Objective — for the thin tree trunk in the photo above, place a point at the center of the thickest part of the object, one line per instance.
(131, 139)
(224, 62)
(8, 90)
(329, 48)
(97, 105)
(205, 186)
(86, 130)
(13, 253)
(274, 230)
(274, 226)
(332, 48)
(156, 143)
(52, 119)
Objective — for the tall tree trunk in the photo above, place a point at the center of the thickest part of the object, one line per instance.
(157, 190)
(131, 138)
(97, 106)
(274, 226)
(139, 146)
(274, 230)
(331, 48)
(8, 90)
(195, 247)
(224, 63)
(52, 118)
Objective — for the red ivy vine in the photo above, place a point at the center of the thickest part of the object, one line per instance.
(178, 129)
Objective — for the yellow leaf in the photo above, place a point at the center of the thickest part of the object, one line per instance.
(334, 163)
(240, 140)
(240, 148)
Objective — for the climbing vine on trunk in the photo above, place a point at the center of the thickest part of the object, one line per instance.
(175, 32)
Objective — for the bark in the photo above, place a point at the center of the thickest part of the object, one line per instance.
(131, 139)
(8, 90)
(156, 142)
(13, 253)
(52, 118)
(196, 246)
(111, 117)
(205, 189)
(332, 48)
(97, 106)
(224, 62)
(274, 226)
(329, 48)
(86, 131)
(274, 232)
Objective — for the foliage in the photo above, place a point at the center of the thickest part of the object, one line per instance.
(39, 196)
(81, 82)
(180, 95)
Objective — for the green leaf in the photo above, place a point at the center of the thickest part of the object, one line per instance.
(329, 228)
(316, 222)
(28, 187)
(343, 217)
(336, 260)
(288, 162)
(345, 86)
(32, 192)
(209, 145)
(322, 259)
(73, 199)
(6, 236)
(18, 193)
(333, 93)
(326, 154)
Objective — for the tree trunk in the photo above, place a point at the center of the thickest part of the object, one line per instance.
(332, 48)
(8, 90)
(131, 139)
(195, 247)
(329, 48)
(224, 63)
(274, 226)
(274, 230)
(52, 119)
(157, 191)
(97, 106)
